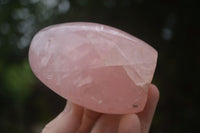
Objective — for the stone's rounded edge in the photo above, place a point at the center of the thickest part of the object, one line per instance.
(30, 57)
(100, 27)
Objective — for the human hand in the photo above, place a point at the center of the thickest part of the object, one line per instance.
(76, 119)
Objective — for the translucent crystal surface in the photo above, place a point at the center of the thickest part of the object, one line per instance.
(96, 66)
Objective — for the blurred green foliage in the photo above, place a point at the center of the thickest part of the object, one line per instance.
(170, 26)
(19, 79)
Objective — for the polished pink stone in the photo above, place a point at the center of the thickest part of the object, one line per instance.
(96, 66)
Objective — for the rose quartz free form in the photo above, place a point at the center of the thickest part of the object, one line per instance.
(96, 66)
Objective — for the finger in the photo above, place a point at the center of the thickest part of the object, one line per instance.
(107, 124)
(67, 121)
(88, 120)
(147, 114)
(130, 124)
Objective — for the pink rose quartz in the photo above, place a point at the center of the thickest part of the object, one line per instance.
(96, 66)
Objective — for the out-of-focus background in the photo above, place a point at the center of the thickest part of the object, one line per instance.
(170, 26)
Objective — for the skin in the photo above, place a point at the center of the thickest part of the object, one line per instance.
(76, 119)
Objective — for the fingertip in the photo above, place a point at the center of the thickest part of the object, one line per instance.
(154, 92)
(147, 114)
(107, 123)
(88, 120)
(130, 123)
(68, 120)
(73, 108)
(52, 126)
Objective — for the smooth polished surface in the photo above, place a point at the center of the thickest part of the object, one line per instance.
(96, 66)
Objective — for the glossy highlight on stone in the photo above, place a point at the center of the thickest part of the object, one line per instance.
(96, 66)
